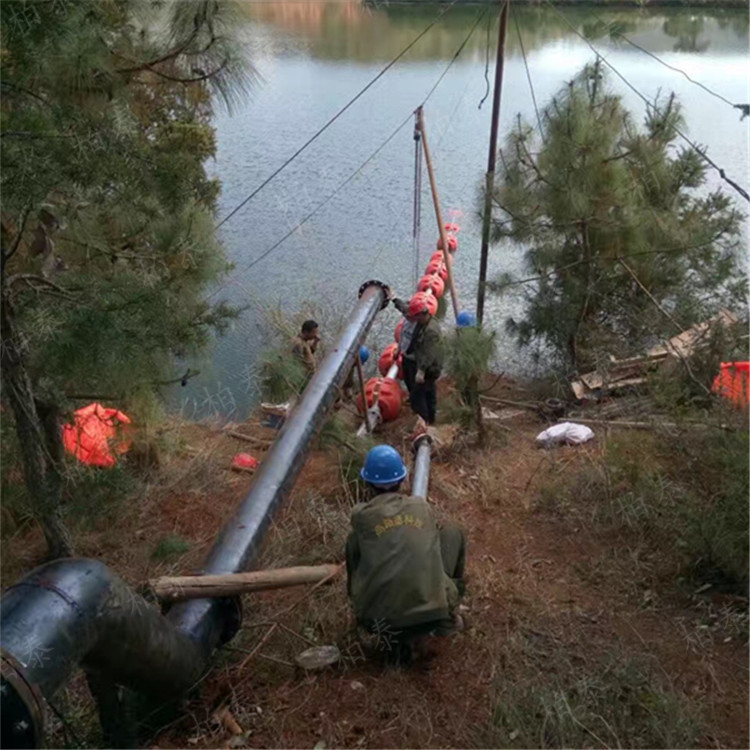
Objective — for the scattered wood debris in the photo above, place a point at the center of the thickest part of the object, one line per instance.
(619, 374)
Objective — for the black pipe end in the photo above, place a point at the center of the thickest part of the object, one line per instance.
(21, 717)
(374, 282)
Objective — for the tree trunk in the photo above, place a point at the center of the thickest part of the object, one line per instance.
(40, 456)
(476, 404)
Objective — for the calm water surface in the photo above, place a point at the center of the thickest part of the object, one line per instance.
(313, 57)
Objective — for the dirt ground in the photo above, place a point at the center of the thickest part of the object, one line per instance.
(558, 614)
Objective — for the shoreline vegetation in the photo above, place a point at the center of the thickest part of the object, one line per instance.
(620, 4)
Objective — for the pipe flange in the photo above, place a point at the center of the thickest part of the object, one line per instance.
(375, 282)
(420, 440)
(22, 712)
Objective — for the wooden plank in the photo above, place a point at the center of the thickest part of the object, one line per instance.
(178, 588)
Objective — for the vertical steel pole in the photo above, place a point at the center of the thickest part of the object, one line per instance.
(490, 178)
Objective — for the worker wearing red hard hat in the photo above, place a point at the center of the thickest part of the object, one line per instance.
(422, 355)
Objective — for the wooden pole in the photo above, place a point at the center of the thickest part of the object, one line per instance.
(490, 178)
(438, 212)
(178, 588)
(362, 393)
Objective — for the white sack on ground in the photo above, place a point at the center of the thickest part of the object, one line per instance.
(565, 433)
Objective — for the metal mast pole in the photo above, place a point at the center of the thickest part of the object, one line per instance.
(490, 181)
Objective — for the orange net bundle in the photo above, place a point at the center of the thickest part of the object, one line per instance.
(95, 437)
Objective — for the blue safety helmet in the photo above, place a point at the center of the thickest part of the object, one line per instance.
(364, 354)
(383, 466)
(466, 319)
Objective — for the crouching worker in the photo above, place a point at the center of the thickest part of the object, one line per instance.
(404, 575)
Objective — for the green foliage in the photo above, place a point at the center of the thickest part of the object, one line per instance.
(103, 175)
(607, 211)
(92, 494)
(282, 375)
(469, 351)
(170, 547)
(108, 238)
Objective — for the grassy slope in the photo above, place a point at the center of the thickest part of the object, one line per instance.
(583, 625)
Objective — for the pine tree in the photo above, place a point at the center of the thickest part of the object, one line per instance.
(623, 244)
(107, 213)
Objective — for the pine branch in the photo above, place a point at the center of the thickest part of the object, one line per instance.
(46, 286)
(203, 77)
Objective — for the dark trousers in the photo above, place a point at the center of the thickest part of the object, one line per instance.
(422, 396)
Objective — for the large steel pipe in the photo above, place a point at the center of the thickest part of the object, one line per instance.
(76, 611)
(201, 619)
(421, 476)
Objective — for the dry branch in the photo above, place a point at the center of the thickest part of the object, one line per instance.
(248, 438)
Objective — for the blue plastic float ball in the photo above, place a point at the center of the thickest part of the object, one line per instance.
(466, 319)
(364, 354)
(383, 466)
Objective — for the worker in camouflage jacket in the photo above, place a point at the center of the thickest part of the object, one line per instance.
(404, 574)
(422, 356)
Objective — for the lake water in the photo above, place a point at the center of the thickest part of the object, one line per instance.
(313, 57)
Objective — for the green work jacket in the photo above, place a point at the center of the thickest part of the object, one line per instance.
(427, 349)
(394, 567)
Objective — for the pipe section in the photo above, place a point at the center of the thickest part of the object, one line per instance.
(76, 611)
(202, 619)
(421, 477)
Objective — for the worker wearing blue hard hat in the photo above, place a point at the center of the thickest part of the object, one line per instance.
(466, 319)
(348, 387)
(404, 574)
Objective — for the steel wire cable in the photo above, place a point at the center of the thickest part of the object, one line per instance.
(336, 116)
(651, 105)
(528, 77)
(744, 108)
(372, 156)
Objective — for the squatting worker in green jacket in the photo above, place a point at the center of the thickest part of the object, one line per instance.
(422, 356)
(404, 575)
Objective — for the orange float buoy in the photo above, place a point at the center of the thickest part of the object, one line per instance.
(388, 394)
(452, 243)
(733, 383)
(452, 227)
(432, 282)
(92, 438)
(419, 301)
(397, 332)
(438, 256)
(389, 357)
(436, 267)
